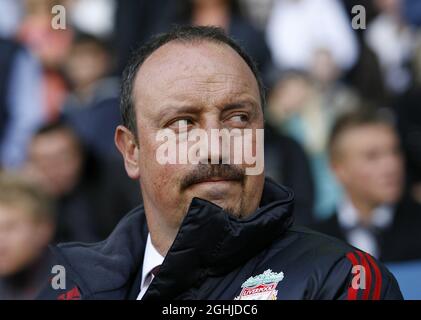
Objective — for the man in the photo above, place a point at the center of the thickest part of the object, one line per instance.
(87, 68)
(27, 223)
(375, 215)
(206, 231)
(90, 192)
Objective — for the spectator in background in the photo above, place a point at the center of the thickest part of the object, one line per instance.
(27, 223)
(313, 44)
(287, 163)
(21, 103)
(10, 15)
(138, 20)
(51, 47)
(298, 29)
(258, 11)
(304, 106)
(226, 14)
(90, 193)
(374, 215)
(366, 75)
(392, 40)
(95, 126)
(87, 68)
(407, 108)
(135, 22)
(94, 17)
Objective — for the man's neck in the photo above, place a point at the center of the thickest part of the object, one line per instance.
(161, 243)
(162, 236)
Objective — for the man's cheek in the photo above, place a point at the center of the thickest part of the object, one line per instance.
(167, 177)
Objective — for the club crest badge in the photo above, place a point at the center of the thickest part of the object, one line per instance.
(261, 287)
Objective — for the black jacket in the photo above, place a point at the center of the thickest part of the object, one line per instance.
(400, 241)
(214, 254)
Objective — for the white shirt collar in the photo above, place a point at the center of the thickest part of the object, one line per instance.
(348, 216)
(151, 259)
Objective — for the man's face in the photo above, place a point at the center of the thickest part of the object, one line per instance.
(56, 161)
(369, 163)
(200, 86)
(22, 239)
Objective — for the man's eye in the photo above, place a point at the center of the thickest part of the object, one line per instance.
(181, 123)
(240, 118)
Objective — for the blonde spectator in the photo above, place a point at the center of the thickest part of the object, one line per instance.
(27, 224)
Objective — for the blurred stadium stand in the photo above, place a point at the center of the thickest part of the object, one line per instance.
(408, 275)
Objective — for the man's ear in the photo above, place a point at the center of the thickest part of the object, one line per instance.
(128, 147)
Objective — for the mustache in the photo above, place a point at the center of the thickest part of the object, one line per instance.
(204, 172)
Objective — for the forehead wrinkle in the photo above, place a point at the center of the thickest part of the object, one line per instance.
(202, 57)
(202, 94)
(196, 76)
(199, 91)
(206, 90)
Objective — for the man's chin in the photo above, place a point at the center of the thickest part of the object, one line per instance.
(216, 191)
(225, 195)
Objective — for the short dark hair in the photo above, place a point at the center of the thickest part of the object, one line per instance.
(60, 125)
(186, 34)
(53, 126)
(82, 38)
(362, 116)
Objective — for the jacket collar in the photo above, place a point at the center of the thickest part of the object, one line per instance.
(210, 242)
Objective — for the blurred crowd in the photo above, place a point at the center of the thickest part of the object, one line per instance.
(343, 124)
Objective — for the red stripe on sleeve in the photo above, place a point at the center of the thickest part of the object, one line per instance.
(378, 274)
(367, 275)
(352, 293)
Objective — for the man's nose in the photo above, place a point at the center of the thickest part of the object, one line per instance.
(218, 141)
